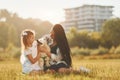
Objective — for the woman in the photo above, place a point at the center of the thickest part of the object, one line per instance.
(60, 53)
(60, 50)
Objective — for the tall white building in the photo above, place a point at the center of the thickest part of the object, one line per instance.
(87, 17)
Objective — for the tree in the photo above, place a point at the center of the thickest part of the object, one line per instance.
(72, 36)
(111, 32)
(4, 13)
(12, 35)
(11, 28)
(3, 34)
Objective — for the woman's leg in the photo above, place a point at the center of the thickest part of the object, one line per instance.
(68, 70)
(64, 70)
(51, 71)
(61, 68)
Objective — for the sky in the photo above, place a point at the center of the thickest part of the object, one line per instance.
(52, 10)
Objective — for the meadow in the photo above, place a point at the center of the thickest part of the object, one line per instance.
(101, 69)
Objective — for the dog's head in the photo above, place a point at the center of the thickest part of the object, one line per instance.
(44, 41)
(48, 39)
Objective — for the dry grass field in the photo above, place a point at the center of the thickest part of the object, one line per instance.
(104, 69)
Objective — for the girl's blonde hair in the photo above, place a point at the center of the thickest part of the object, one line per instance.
(24, 37)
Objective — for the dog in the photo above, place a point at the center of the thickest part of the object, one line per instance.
(44, 60)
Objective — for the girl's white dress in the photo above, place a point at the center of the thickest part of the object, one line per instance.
(27, 66)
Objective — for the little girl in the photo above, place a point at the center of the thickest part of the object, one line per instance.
(30, 53)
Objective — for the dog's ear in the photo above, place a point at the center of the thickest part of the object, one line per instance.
(39, 43)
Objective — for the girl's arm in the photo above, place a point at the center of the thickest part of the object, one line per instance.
(33, 60)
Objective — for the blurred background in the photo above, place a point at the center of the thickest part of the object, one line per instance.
(92, 26)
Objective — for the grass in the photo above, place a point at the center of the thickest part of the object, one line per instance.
(107, 69)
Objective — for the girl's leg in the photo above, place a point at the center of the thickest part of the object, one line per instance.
(35, 72)
(41, 72)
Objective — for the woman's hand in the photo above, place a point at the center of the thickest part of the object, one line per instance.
(44, 48)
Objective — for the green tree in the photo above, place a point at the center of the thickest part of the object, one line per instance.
(15, 25)
(12, 35)
(111, 32)
(4, 34)
(72, 36)
(83, 38)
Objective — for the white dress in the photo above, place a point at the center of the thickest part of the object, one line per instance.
(27, 66)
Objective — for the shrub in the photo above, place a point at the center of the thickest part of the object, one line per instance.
(12, 50)
(102, 50)
(80, 51)
(99, 51)
(94, 52)
(5, 56)
(84, 52)
(112, 50)
(17, 54)
(117, 50)
(75, 51)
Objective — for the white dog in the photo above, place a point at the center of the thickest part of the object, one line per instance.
(44, 60)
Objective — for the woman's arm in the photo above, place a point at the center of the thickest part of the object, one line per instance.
(48, 54)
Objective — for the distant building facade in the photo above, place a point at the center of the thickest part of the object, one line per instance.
(87, 17)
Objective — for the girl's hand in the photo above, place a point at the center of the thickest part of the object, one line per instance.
(39, 49)
(39, 54)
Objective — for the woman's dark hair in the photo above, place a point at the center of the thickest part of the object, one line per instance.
(62, 43)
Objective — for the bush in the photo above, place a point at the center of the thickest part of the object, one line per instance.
(5, 56)
(102, 50)
(84, 52)
(99, 51)
(94, 52)
(17, 54)
(117, 50)
(75, 51)
(112, 50)
(80, 51)
(13, 51)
